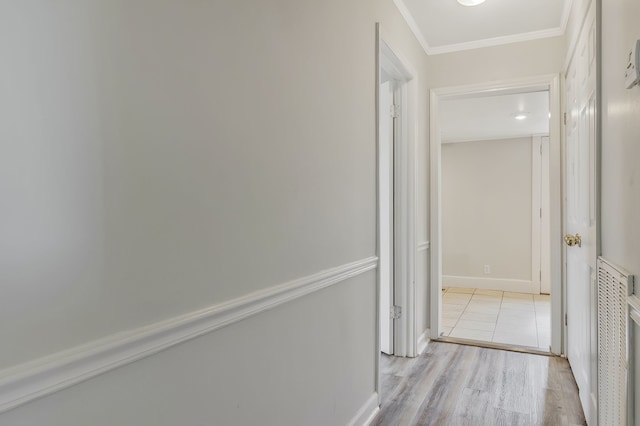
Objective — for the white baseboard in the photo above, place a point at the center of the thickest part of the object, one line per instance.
(423, 340)
(502, 284)
(35, 379)
(367, 412)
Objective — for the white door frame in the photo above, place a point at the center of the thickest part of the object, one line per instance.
(549, 82)
(389, 59)
(540, 214)
(387, 131)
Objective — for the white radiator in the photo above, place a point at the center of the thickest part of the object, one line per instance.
(614, 285)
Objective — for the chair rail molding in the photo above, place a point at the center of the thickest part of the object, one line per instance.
(41, 377)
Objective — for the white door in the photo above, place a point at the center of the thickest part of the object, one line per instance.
(385, 170)
(581, 214)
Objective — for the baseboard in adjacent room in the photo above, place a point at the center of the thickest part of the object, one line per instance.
(501, 284)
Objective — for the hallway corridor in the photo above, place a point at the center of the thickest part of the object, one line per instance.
(464, 385)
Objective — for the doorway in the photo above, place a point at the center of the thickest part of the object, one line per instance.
(396, 118)
(396, 186)
(495, 208)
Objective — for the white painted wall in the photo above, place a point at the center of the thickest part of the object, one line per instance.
(137, 186)
(245, 374)
(516, 60)
(162, 157)
(620, 149)
(620, 130)
(486, 208)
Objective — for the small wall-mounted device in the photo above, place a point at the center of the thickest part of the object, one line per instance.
(632, 73)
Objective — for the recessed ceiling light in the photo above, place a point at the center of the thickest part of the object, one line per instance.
(470, 2)
(520, 115)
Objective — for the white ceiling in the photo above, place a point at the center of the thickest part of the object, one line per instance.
(444, 26)
(492, 117)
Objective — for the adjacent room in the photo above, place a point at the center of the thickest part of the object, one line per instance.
(495, 192)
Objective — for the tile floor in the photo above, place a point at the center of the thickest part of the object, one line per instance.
(496, 316)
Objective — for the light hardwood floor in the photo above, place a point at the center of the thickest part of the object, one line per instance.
(453, 384)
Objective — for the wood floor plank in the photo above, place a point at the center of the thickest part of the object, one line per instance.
(486, 379)
(509, 418)
(514, 390)
(404, 402)
(569, 391)
(452, 384)
(475, 407)
(440, 402)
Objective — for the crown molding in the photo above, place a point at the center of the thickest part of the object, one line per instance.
(496, 41)
(413, 25)
(477, 44)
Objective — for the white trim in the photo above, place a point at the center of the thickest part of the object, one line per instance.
(555, 216)
(423, 246)
(405, 247)
(635, 316)
(502, 284)
(566, 12)
(496, 88)
(41, 377)
(423, 341)
(495, 41)
(435, 233)
(536, 212)
(499, 138)
(367, 412)
(634, 308)
(413, 25)
(378, 378)
(572, 39)
(545, 229)
(553, 83)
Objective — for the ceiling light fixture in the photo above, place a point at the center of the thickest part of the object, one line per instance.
(470, 2)
(520, 116)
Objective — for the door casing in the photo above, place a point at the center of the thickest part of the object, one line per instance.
(390, 59)
(550, 82)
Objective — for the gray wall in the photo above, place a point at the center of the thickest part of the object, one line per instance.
(486, 208)
(621, 150)
(162, 157)
(620, 136)
(508, 61)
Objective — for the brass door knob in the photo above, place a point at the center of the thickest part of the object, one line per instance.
(573, 240)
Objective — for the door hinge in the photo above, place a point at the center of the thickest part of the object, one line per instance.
(565, 320)
(565, 118)
(540, 275)
(394, 111)
(395, 312)
(540, 212)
